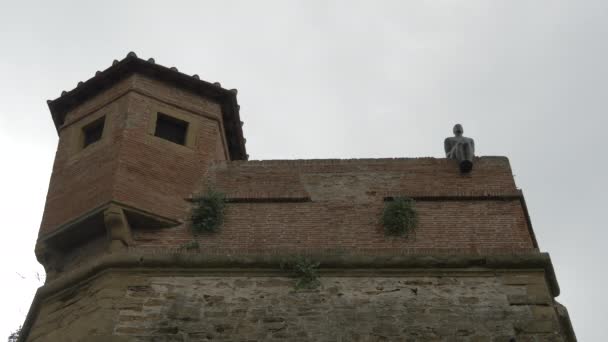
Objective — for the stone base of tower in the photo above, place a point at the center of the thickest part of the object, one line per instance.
(194, 297)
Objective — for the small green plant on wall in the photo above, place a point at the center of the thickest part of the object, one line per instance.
(399, 216)
(191, 245)
(208, 211)
(304, 270)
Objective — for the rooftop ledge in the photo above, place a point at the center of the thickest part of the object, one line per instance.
(285, 162)
(179, 260)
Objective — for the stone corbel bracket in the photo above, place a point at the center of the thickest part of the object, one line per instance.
(118, 229)
(113, 220)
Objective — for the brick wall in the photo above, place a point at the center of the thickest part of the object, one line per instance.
(154, 174)
(336, 204)
(83, 179)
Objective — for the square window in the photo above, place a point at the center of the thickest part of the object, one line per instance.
(171, 129)
(93, 131)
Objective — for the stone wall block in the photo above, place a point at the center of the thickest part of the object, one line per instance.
(537, 326)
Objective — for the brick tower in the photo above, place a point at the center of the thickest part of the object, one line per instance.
(139, 140)
(135, 140)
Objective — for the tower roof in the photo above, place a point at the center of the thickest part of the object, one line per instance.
(132, 64)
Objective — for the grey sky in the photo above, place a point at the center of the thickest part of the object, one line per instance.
(341, 79)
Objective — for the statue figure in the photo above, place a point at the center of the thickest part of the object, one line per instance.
(460, 148)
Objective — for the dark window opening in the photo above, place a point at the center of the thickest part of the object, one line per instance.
(93, 131)
(171, 129)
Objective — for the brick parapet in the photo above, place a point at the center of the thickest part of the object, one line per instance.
(334, 203)
(387, 176)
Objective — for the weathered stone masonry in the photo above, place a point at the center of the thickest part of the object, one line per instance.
(200, 297)
(115, 234)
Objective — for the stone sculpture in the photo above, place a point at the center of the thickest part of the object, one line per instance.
(460, 148)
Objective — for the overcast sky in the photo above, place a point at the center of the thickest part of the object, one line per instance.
(341, 79)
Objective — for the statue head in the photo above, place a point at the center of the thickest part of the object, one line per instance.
(458, 130)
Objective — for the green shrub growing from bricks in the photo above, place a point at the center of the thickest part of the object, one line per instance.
(191, 245)
(208, 212)
(304, 270)
(399, 216)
